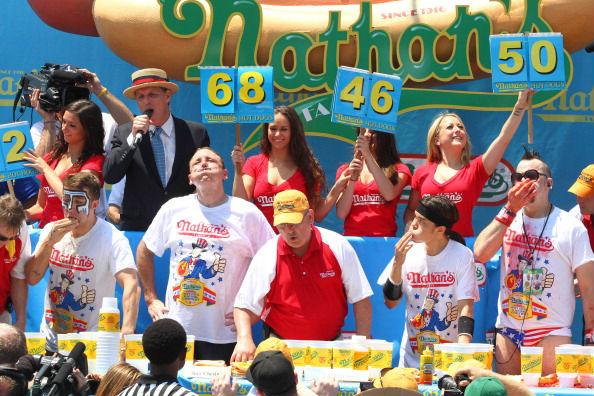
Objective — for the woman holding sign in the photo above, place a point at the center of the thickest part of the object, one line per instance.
(286, 163)
(79, 147)
(450, 171)
(368, 203)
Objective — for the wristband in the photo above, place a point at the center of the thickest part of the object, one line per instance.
(505, 216)
(391, 291)
(102, 92)
(466, 325)
(589, 337)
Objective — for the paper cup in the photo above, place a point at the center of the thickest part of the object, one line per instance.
(35, 343)
(361, 358)
(135, 353)
(320, 354)
(447, 356)
(461, 352)
(89, 338)
(531, 364)
(299, 351)
(343, 355)
(483, 353)
(64, 346)
(190, 349)
(380, 356)
(566, 364)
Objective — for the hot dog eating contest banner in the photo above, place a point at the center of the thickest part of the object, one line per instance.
(439, 49)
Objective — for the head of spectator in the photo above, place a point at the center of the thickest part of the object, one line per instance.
(286, 133)
(152, 90)
(533, 167)
(399, 378)
(485, 386)
(12, 216)
(12, 383)
(272, 374)
(13, 345)
(293, 218)
(164, 344)
(82, 126)
(446, 136)
(383, 148)
(583, 188)
(434, 218)
(81, 198)
(117, 378)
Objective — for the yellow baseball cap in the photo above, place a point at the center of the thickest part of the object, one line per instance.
(584, 185)
(289, 207)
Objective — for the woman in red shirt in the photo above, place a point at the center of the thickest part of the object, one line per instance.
(79, 147)
(368, 203)
(450, 171)
(286, 163)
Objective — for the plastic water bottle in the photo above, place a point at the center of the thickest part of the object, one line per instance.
(108, 336)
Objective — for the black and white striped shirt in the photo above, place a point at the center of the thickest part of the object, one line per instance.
(156, 386)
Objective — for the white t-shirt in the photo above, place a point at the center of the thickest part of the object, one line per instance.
(82, 272)
(211, 249)
(18, 271)
(262, 272)
(541, 295)
(576, 212)
(433, 286)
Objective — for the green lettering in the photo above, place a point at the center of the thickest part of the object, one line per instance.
(368, 39)
(427, 64)
(247, 47)
(292, 74)
(333, 36)
(182, 21)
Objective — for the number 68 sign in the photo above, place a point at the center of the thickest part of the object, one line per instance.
(366, 99)
(242, 94)
(520, 61)
(15, 140)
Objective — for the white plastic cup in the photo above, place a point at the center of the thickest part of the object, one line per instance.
(531, 364)
(566, 364)
(188, 368)
(483, 353)
(35, 343)
(135, 353)
(108, 350)
(343, 360)
(319, 360)
(299, 352)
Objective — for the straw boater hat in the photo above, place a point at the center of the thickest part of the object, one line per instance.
(149, 78)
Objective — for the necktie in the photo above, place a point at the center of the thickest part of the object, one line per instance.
(159, 153)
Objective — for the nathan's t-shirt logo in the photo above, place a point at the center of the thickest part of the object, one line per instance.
(529, 242)
(200, 229)
(73, 262)
(432, 279)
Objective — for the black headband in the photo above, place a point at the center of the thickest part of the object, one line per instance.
(433, 216)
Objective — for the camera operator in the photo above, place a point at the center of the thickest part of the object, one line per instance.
(12, 346)
(44, 133)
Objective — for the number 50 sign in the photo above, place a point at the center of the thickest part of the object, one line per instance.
(521, 61)
(15, 140)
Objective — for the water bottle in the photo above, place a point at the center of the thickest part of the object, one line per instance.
(108, 336)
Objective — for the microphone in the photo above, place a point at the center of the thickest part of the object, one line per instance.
(28, 365)
(140, 134)
(67, 367)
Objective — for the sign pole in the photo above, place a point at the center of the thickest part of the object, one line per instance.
(530, 123)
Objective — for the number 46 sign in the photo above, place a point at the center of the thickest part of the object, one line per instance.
(366, 99)
(16, 139)
(520, 61)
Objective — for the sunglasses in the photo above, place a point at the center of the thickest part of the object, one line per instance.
(531, 174)
(12, 238)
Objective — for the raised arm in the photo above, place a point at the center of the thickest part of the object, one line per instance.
(393, 287)
(491, 238)
(326, 204)
(243, 185)
(118, 110)
(495, 152)
(345, 201)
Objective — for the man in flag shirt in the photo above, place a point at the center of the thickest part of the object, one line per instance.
(543, 248)
(301, 282)
(212, 238)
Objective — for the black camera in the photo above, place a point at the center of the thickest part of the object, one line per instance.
(451, 385)
(54, 374)
(57, 85)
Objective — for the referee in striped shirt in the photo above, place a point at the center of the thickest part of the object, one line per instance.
(164, 344)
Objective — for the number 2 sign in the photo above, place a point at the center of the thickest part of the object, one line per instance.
(16, 139)
(366, 99)
(520, 61)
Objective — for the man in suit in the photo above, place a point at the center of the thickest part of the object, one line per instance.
(152, 151)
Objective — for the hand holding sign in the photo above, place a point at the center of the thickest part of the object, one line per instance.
(16, 141)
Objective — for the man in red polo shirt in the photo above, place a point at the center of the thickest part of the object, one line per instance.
(14, 252)
(583, 188)
(301, 282)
